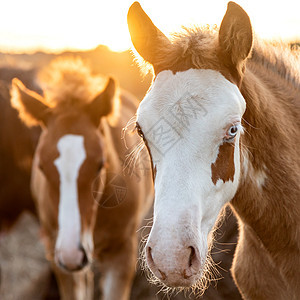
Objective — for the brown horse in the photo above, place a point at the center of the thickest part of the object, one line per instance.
(17, 144)
(86, 204)
(221, 123)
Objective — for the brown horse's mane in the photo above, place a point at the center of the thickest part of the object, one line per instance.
(197, 47)
(68, 81)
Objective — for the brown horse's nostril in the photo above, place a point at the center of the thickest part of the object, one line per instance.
(85, 258)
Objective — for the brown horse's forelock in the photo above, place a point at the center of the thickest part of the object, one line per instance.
(68, 81)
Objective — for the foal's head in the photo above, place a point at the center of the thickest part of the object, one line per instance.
(190, 121)
(71, 153)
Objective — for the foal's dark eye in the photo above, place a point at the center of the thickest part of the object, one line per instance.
(139, 131)
(231, 132)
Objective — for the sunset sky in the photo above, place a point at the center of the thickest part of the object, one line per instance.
(56, 25)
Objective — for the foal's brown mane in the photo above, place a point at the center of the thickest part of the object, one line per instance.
(197, 47)
(280, 59)
(69, 82)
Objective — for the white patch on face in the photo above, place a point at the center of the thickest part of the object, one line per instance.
(184, 118)
(259, 176)
(71, 156)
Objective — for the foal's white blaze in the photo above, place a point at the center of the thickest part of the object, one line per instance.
(71, 156)
(184, 118)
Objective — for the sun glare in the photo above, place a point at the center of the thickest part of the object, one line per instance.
(58, 25)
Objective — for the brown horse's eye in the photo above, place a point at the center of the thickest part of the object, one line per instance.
(41, 167)
(139, 131)
(100, 166)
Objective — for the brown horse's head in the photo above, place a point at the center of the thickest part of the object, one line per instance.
(191, 120)
(70, 155)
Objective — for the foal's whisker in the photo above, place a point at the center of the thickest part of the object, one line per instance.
(249, 123)
(130, 164)
(131, 156)
(144, 227)
(134, 156)
(138, 155)
(131, 121)
(225, 244)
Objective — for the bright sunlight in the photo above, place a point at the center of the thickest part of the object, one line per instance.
(58, 25)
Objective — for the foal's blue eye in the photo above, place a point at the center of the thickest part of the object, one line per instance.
(231, 132)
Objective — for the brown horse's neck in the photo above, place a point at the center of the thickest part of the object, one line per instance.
(268, 199)
(113, 160)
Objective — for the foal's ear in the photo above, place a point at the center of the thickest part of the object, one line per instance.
(235, 37)
(104, 104)
(30, 105)
(147, 39)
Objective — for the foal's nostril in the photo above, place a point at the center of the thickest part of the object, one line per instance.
(192, 255)
(160, 274)
(182, 270)
(192, 264)
(163, 275)
(149, 256)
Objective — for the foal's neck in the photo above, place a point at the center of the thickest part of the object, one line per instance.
(268, 198)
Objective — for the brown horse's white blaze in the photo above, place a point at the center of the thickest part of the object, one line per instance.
(69, 156)
(67, 160)
(77, 175)
(196, 176)
(69, 251)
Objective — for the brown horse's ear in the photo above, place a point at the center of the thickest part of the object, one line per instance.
(235, 38)
(30, 105)
(103, 104)
(147, 39)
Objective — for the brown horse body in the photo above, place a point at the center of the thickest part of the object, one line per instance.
(16, 151)
(110, 203)
(266, 200)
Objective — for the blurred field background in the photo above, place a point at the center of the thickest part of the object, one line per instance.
(101, 59)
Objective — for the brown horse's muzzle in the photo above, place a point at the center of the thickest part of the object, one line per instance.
(71, 259)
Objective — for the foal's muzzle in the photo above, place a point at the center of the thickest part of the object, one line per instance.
(182, 271)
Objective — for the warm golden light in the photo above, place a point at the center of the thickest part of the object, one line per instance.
(58, 25)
